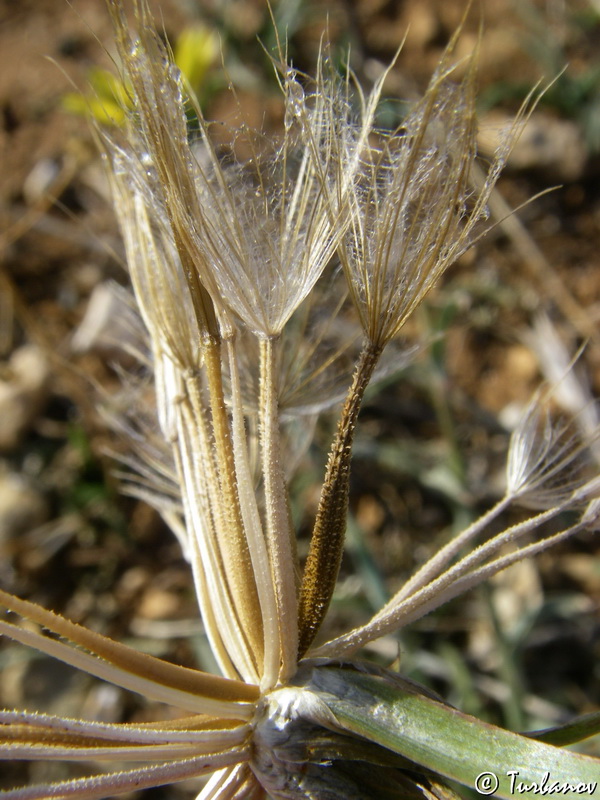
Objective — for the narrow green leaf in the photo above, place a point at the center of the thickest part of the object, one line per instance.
(581, 728)
(389, 711)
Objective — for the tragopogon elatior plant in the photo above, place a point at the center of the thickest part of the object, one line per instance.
(230, 261)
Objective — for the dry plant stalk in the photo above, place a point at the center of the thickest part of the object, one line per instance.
(223, 258)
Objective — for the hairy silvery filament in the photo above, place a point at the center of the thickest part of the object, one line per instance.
(244, 273)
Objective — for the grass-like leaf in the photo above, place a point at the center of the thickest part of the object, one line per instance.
(453, 744)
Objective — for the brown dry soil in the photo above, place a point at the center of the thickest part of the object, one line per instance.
(71, 542)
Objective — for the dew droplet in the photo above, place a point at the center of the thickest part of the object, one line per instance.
(295, 99)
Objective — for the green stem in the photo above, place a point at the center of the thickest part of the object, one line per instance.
(454, 745)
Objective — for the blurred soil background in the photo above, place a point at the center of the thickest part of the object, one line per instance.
(523, 651)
